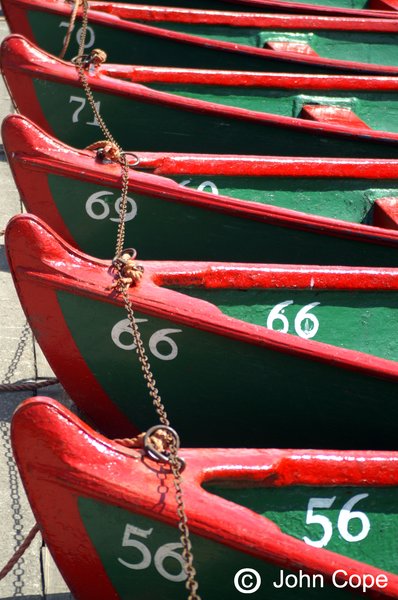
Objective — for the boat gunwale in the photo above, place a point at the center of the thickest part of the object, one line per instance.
(81, 165)
(154, 300)
(210, 516)
(20, 22)
(17, 51)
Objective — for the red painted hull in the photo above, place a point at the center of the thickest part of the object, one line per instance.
(33, 155)
(121, 17)
(43, 264)
(21, 63)
(61, 459)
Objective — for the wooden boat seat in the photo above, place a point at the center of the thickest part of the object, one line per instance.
(336, 115)
(385, 212)
(297, 47)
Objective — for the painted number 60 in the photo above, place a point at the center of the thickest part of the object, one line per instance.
(202, 186)
(345, 516)
(163, 552)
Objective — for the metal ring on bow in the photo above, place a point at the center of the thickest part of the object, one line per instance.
(155, 454)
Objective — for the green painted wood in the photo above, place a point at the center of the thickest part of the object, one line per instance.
(128, 47)
(369, 47)
(154, 127)
(378, 110)
(288, 506)
(221, 5)
(178, 231)
(215, 563)
(364, 321)
(347, 199)
(299, 402)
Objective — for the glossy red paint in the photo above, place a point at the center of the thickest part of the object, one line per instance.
(60, 458)
(42, 263)
(386, 212)
(21, 62)
(384, 9)
(33, 154)
(119, 16)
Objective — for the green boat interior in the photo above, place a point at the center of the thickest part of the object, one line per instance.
(358, 319)
(347, 520)
(359, 46)
(362, 109)
(347, 199)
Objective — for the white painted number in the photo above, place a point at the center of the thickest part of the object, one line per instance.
(166, 551)
(82, 103)
(301, 322)
(276, 315)
(131, 543)
(121, 327)
(202, 186)
(91, 35)
(157, 340)
(345, 516)
(303, 317)
(320, 520)
(162, 336)
(98, 209)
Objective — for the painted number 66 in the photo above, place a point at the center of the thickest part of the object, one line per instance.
(163, 552)
(160, 336)
(302, 320)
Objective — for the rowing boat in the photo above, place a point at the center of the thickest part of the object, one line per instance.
(334, 211)
(108, 515)
(380, 9)
(312, 350)
(184, 111)
(215, 39)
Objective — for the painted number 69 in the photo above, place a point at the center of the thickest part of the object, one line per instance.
(97, 208)
(163, 552)
(345, 516)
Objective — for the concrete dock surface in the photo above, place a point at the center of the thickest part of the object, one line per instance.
(35, 577)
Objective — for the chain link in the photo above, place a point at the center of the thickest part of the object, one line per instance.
(82, 63)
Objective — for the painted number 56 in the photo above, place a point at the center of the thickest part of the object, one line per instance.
(346, 515)
(144, 557)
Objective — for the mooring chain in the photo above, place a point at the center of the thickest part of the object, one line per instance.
(25, 385)
(21, 545)
(128, 273)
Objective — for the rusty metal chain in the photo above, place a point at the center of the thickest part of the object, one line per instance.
(29, 385)
(82, 63)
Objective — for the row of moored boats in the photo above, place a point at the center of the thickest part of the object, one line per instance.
(262, 142)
